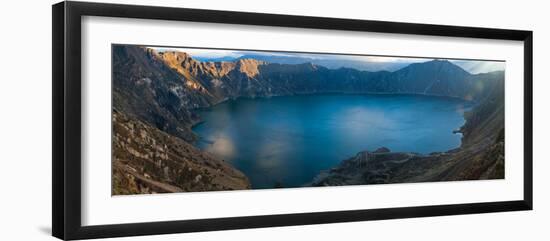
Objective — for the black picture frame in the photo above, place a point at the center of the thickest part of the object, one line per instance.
(66, 157)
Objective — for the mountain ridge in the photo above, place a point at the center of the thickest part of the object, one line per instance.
(160, 91)
(176, 84)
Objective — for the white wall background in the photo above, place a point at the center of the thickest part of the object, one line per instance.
(25, 126)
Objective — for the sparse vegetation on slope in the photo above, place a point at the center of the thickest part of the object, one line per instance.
(147, 160)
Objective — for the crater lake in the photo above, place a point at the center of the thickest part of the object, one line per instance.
(285, 141)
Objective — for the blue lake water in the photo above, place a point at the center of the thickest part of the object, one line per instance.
(290, 139)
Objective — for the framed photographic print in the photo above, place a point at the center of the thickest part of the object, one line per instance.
(170, 120)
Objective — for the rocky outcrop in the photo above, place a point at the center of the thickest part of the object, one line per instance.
(474, 162)
(364, 168)
(250, 67)
(147, 160)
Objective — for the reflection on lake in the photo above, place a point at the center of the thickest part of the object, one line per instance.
(290, 139)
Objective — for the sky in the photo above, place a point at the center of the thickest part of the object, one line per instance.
(363, 62)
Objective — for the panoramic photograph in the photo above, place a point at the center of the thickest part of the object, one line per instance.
(200, 119)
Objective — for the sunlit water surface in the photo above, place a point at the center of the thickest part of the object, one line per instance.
(288, 140)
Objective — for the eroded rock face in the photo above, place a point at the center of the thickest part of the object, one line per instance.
(147, 160)
(249, 67)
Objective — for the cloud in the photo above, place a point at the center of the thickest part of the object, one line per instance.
(202, 53)
(372, 63)
(479, 66)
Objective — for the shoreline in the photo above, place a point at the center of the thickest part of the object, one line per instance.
(335, 93)
(457, 130)
(471, 103)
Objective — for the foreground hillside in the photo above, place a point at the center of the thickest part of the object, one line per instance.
(147, 160)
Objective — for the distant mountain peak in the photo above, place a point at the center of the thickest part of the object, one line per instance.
(437, 62)
(444, 62)
(437, 65)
